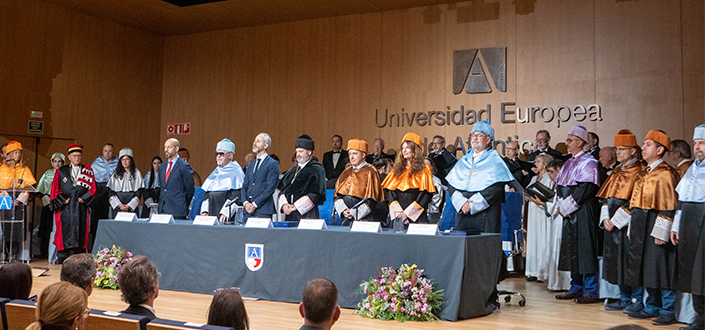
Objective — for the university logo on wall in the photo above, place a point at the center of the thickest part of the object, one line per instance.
(254, 256)
(470, 74)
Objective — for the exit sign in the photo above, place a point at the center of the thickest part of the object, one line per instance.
(178, 129)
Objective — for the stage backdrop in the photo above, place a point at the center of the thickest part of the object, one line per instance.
(604, 64)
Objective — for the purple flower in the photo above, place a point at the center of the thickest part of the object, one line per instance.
(367, 305)
(403, 310)
(381, 281)
(365, 290)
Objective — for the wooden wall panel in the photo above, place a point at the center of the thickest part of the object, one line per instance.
(641, 61)
(96, 81)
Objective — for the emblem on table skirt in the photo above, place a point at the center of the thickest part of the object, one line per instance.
(254, 256)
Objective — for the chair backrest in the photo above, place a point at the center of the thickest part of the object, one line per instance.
(162, 324)
(3, 301)
(100, 320)
(20, 314)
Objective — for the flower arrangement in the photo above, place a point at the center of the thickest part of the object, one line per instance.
(404, 294)
(108, 263)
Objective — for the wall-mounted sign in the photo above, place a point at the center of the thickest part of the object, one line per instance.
(178, 129)
(36, 127)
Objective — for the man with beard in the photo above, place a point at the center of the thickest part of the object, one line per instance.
(303, 187)
(652, 257)
(688, 231)
(358, 189)
(260, 180)
(222, 187)
(72, 190)
(176, 182)
(577, 183)
(616, 192)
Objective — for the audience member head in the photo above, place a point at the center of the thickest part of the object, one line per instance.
(481, 136)
(608, 156)
(127, 163)
(378, 146)
(438, 144)
(57, 160)
(319, 305)
(543, 139)
(540, 163)
(576, 140)
(512, 149)
(680, 151)
(304, 149)
(108, 152)
(61, 306)
(656, 144)
(15, 281)
(336, 143)
(410, 155)
(699, 143)
(625, 146)
(228, 310)
(79, 270)
(139, 281)
(171, 149)
(553, 168)
(261, 144)
(224, 152)
(250, 157)
(75, 152)
(357, 150)
(14, 153)
(593, 140)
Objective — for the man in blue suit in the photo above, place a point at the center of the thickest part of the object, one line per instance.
(261, 179)
(176, 182)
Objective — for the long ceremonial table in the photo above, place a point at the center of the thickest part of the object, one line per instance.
(200, 259)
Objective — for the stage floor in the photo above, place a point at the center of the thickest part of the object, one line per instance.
(542, 310)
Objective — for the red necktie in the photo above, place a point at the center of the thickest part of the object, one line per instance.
(168, 171)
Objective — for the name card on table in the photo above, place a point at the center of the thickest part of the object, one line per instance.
(423, 229)
(366, 227)
(162, 218)
(259, 223)
(126, 216)
(315, 224)
(205, 220)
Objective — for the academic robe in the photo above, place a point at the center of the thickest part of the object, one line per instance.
(480, 180)
(221, 187)
(653, 205)
(45, 220)
(125, 190)
(517, 166)
(444, 162)
(690, 223)
(410, 193)
(19, 176)
(354, 186)
(309, 183)
(615, 193)
(683, 167)
(72, 219)
(577, 184)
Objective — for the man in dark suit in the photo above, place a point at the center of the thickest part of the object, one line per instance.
(334, 161)
(543, 140)
(441, 158)
(593, 145)
(139, 284)
(176, 182)
(378, 152)
(521, 170)
(261, 179)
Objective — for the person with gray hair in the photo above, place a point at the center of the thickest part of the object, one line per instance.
(176, 182)
(222, 187)
(79, 270)
(261, 180)
(441, 158)
(139, 284)
(679, 156)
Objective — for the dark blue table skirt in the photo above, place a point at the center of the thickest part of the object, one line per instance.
(202, 258)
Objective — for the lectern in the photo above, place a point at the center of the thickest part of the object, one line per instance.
(13, 220)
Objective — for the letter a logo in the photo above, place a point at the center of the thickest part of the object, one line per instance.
(254, 256)
(468, 71)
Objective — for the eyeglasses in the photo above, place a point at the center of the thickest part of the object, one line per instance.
(477, 135)
(220, 154)
(232, 288)
(541, 140)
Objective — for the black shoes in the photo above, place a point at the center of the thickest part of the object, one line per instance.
(641, 315)
(568, 295)
(616, 306)
(633, 308)
(664, 319)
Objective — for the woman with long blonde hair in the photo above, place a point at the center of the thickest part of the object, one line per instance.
(410, 183)
(61, 306)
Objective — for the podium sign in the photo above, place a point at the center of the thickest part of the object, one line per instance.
(315, 224)
(366, 227)
(126, 216)
(162, 218)
(5, 203)
(204, 220)
(259, 223)
(423, 229)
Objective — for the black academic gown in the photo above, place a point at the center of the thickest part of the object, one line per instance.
(216, 200)
(73, 218)
(350, 202)
(309, 181)
(579, 244)
(650, 265)
(691, 249)
(409, 196)
(444, 162)
(490, 219)
(517, 166)
(616, 247)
